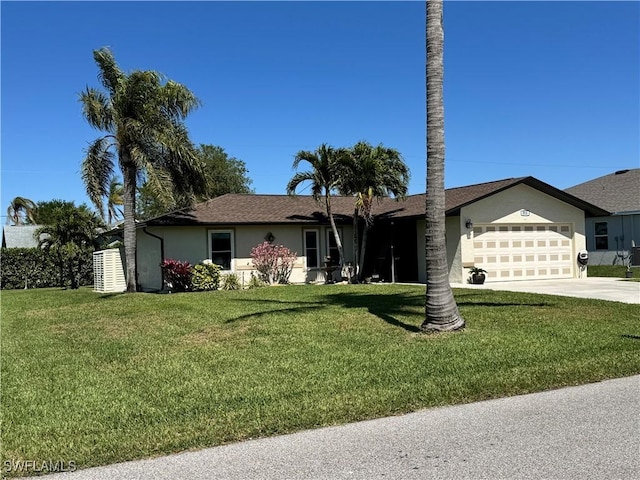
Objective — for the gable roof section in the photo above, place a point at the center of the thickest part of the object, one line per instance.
(19, 236)
(250, 209)
(617, 192)
(456, 198)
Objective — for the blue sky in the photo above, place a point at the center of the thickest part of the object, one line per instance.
(548, 89)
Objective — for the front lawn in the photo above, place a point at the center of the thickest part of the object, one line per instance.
(97, 379)
(618, 271)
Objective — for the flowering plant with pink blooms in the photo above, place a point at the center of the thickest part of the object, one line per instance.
(274, 263)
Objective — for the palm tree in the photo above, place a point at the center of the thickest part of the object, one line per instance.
(70, 235)
(371, 173)
(441, 310)
(324, 177)
(114, 200)
(143, 118)
(21, 211)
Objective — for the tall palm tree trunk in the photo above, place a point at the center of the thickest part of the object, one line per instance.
(356, 246)
(441, 310)
(334, 228)
(129, 174)
(363, 250)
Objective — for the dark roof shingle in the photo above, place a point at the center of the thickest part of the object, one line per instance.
(616, 192)
(247, 209)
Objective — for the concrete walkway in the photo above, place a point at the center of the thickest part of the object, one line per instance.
(585, 432)
(603, 288)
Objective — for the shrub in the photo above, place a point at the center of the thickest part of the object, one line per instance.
(205, 276)
(255, 282)
(231, 282)
(177, 275)
(274, 263)
(36, 268)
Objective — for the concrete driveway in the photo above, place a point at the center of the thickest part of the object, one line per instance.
(603, 288)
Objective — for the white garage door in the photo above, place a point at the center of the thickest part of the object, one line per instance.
(524, 252)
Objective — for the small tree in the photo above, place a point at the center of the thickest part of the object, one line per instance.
(274, 263)
(69, 236)
(323, 178)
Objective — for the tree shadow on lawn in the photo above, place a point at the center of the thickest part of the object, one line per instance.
(387, 307)
(301, 307)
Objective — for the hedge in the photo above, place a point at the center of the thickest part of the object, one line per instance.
(37, 268)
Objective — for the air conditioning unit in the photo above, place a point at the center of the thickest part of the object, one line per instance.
(108, 272)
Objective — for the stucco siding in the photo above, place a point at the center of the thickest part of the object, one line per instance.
(507, 207)
(192, 244)
(523, 205)
(455, 254)
(454, 257)
(148, 258)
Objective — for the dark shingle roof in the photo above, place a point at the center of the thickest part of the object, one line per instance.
(456, 198)
(259, 209)
(616, 192)
(250, 209)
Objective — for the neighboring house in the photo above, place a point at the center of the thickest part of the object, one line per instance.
(519, 228)
(613, 239)
(19, 236)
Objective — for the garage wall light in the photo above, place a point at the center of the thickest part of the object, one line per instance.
(469, 224)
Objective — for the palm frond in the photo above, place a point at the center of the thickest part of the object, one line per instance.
(178, 100)
(298, 179)
(159, 184)
(109, 73)
(115, 199)
(21, 211)
(97, 110)
(97, 170)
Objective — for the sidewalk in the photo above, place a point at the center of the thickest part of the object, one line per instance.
(585, 432)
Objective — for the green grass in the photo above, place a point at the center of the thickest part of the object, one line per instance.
(611, 271)
(97, 379)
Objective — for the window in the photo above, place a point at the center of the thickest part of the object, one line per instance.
(601, 236)
(311, 248)
(332, 247)
(221, 247)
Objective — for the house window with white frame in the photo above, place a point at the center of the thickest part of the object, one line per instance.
(332, 246)
(312, 248)
(221, 248)
(601, 235)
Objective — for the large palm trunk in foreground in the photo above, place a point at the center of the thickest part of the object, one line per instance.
(129, 173)
(441, 310)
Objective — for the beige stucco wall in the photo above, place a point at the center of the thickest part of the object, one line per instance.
(453, 248)
(192, 244)
(502, 208)
(506, 208)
